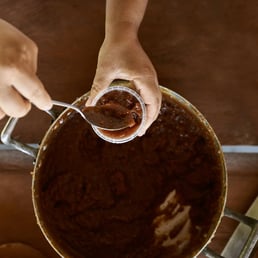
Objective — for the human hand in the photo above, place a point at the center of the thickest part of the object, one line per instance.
(125, 59)
(19, 84)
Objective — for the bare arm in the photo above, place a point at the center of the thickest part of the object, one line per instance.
(124, 16)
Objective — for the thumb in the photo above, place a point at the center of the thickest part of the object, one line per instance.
(99, 83)
(30, 87)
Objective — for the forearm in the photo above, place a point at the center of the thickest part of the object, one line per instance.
(124, 17)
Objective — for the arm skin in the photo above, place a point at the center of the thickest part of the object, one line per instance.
(19, 84)
(121, 56)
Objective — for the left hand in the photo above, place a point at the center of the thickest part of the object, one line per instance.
(125, 59)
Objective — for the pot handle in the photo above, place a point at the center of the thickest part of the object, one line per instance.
(252, 238)
(9, 141)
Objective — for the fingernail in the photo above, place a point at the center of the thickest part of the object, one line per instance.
(141, 133)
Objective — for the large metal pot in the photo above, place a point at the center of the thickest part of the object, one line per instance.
(39, 153)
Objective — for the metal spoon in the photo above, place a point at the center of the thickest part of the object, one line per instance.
(111, 117)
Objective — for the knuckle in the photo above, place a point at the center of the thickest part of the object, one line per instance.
(27, 52)
(33, 47)
(28, 46)
(18, 54)
(35, 94)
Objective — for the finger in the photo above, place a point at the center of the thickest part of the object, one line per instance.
(151, 116)
(152, 112)
(29, 85)
(12, 103)
(100, 83)
(151, 94)
(2, 114)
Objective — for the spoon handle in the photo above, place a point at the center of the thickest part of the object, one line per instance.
(63, 104)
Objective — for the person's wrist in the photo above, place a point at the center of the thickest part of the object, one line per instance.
(121, 30)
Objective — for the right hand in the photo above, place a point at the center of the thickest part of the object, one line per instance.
(19, 84)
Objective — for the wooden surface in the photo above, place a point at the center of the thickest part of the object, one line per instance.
(207, 51)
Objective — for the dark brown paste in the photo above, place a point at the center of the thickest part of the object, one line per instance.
(110, 116)
(99, 199)
(128, 101)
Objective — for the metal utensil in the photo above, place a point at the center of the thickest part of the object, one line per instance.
(102, 117)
